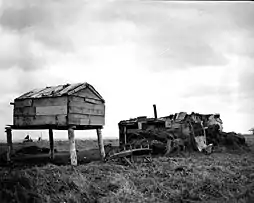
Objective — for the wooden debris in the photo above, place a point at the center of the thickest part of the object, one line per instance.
(131, 155)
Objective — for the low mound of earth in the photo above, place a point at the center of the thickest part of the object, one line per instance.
(157, 139)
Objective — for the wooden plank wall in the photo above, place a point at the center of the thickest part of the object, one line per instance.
(86, 93)
(86, 109)
(42, 111)
(79, 119)
(40, 120)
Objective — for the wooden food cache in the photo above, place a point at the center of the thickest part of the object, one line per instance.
(64, 107)
(60, 106)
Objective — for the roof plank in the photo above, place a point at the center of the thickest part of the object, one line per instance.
(57, 91)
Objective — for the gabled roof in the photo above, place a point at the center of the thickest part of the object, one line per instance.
(57, 91)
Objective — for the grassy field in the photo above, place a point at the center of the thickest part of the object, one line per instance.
(61, 145)
(87, 151)
(225, 176)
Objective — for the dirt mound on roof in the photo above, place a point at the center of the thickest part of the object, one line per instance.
(157, 138)
(230, 140)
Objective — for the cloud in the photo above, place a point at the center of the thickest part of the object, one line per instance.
(19, 51)
(181, 56)
(27, 14)
(246, 84)
(26, 17)
(43, 22)
(179, 35)
(169, 34)
(186, 35)
(242, 14)
(210, 91)
(29, 30)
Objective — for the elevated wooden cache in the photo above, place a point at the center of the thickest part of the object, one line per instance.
(59, 107)
(64, 107)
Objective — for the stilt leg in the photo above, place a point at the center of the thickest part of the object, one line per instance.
(124, 130)
(51, 143)
(9, 143)
(73, 154)
(100, 143)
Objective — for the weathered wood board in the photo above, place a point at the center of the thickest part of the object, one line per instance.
(80, 119)
(92, 110)
(87, 105)
(47, 110)
(54, 101)
(93, 120)
(51, 110)
(86, 93)
(81, 100)
(176, 125)
(24, 111)
(23, 103)
(40, 120)
(168, 123)
(92, 101)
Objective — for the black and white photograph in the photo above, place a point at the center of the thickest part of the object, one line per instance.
(126, 101)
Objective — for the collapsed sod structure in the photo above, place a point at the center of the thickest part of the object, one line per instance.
(178, 132)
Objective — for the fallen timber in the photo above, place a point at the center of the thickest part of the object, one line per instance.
(129, 156)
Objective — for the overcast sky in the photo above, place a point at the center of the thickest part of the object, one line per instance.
(182, 56)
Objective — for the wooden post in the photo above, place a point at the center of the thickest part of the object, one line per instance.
(155, 111)
(9, 143)
(203, 131)
(192, 140)
(168, 147)
(51, 144)
(8, 154)
(73, 154)
(125, 136)
(100, 143)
